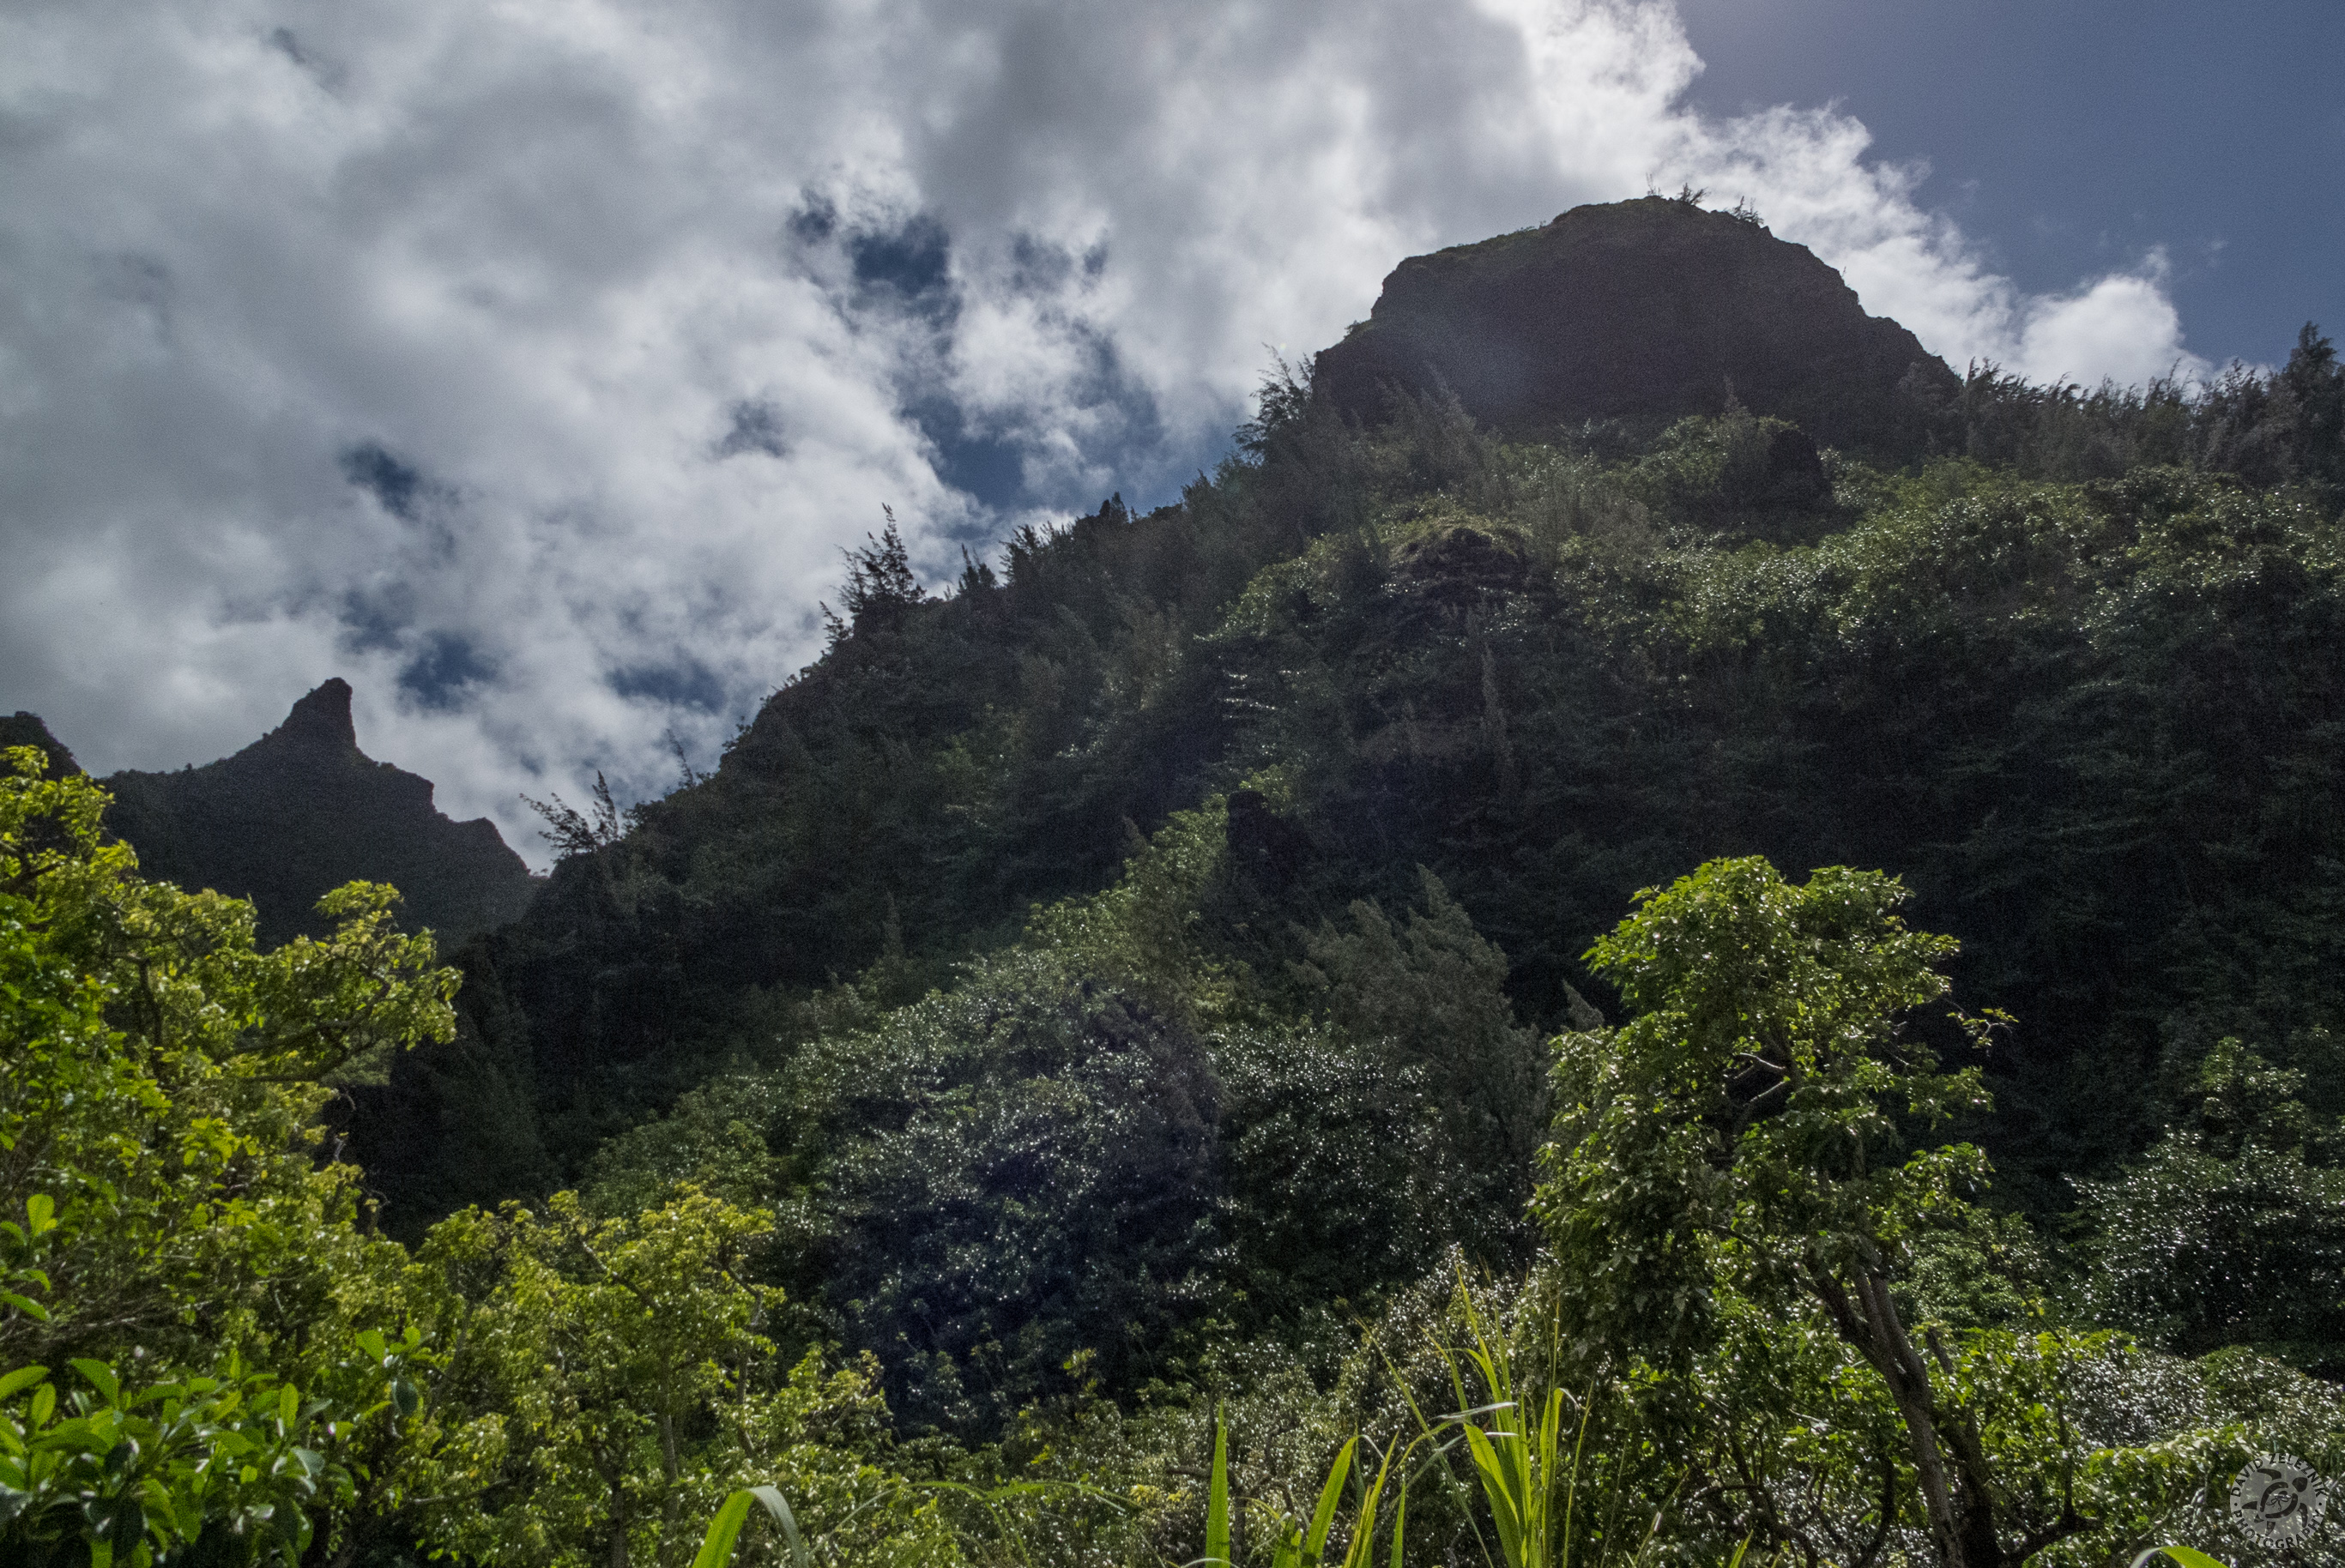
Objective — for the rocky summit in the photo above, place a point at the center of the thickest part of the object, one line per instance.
(302, 811)
(1639, 313)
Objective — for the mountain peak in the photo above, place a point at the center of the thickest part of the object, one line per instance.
(1639, 311)
(302, 810)
(322, 718)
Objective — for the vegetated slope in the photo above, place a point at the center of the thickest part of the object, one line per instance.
(946, 764)
(1639, 312)
(2093, 722)
(302, 810)
(23, 728)
(2096, 726)
(1110, 995)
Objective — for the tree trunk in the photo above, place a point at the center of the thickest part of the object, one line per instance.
(1954, 1495)
(618, 1555)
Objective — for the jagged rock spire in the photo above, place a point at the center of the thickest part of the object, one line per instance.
(322, 718)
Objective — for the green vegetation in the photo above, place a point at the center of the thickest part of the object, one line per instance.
(1274, 1029)
(256, 1374)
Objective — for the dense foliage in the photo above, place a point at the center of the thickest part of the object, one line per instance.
(1179, 983)
(208, 1355)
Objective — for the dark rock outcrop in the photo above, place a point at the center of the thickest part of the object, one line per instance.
(1641, 312)
(302, 811)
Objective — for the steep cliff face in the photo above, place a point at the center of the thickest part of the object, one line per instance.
(302, 811)
(1643, 312)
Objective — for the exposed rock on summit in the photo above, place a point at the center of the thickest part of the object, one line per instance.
(1639, 311)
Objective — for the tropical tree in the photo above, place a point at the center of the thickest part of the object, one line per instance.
(168, 1226)
(1738, 1162)
(160, 1120)
(618, 1388)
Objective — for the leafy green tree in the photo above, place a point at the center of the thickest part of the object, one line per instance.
(1430, 997)
(1750, 1231)
(618, 1389)
(159, 1124)
(1016, 1171)
(1744, 1139)
(215, 1470)
(170, 1227)
(1338, 1185)
(715, 1139)
(255, 1372)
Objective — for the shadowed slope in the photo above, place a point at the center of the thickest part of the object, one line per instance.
(23, 728)
(302, 811)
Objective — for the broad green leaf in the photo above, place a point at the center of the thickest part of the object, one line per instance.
(22, 1378)
(716, 1546)
(2185, 1555)
(725, 1529)
(101, 1378)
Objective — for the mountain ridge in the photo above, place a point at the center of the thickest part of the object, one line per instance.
(302, 811)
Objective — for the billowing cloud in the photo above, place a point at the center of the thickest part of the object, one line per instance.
(1804, 169)
(2123, 327)
(530, 363)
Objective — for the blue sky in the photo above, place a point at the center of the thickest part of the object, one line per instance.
(529, 365)
(2070, 139)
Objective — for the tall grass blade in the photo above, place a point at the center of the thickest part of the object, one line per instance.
(1504, 1497)
(725, 1529)
(1361, 1552)
(1323, 1518)
(1217, 1498)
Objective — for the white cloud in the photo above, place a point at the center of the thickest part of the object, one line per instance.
(1805, 169)
(2123, 326)
(621, 312)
